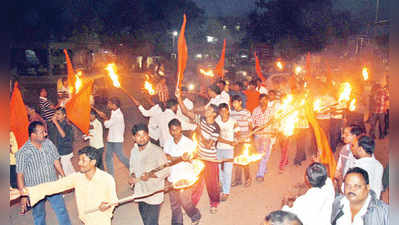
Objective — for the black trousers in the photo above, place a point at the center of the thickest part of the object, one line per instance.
(13, 176)
(149, 213)
(100, 160)
(377, 118)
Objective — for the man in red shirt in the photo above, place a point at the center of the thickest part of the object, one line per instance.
(252, 96)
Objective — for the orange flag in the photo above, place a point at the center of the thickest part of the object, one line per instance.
(326, 155)
(182, 53)
(18, 117)
(78, 107)
(219, 70)
(70, 71)
(258, 68)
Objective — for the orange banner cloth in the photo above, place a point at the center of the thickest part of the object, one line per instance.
(182, 54)
(78, 108)
(323, 147)
(219, 70)
(70, 71)
(258, 68)
(18, 117)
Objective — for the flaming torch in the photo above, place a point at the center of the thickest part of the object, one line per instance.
(352, 105)
(149, 88)
(345, 91)
(78, 82)
(317, 105)
(279, 65)
(112, 74)
(298, 69)
(365, 73)
(245, 159)
(288, 124)
(208, 73)
(188, 174)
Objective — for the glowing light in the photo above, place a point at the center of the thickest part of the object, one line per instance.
(365, 73)
(317, 105)
(189, 175)
(191, 87)
(289, 123)
(111, 68)
(279, 65)
(245, 158)
(298, 69)
(78, 82)
(345, 92)
(208, 73)
(352, 105)
(149, 88)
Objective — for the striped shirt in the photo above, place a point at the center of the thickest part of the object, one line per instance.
(243, 119)
(45, 111)
(208, 132)
(36, 165)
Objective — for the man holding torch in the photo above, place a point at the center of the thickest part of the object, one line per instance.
(209, 132)
(176, 147)
(94, 188)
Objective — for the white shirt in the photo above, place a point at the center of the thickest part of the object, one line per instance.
(219, 99)
(261, 89)
(116, 126)
(177, 150)
(95, 136)
(185, 121)
(375, 171)
(153, 122)
(315, 206)
(346, 218)
(164, 119)
(227, 130)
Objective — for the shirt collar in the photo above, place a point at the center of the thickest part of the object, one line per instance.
(43, 98)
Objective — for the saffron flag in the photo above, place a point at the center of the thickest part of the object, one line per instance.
(78, 107)
(70, 71)
(219, 70)
(182, 53)
(323, 147)
(258, 68)
(18, 117)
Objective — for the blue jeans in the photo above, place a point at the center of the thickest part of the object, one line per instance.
(227, 170)
(114, 147)
(262, 144)
(58, 205)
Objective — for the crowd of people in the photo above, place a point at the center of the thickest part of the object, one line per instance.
(237, 114)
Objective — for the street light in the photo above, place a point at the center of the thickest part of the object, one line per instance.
(174, 34)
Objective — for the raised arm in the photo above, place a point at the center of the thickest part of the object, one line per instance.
(183, 107)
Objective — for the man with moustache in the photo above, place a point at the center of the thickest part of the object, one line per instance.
(359, 204)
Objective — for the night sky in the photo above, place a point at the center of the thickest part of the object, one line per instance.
(361, 8)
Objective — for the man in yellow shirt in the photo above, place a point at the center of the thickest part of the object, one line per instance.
(94, 188)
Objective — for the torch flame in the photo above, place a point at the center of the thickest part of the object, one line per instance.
(288, 124)
(245, 158)
(112, 74)
(345, 91)
(298, 69)
(365, 73)
(317, 105)
(352, 105)
(189, 175)
(208, 73)
(78, 82)
(149, 88)
(279, 65)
